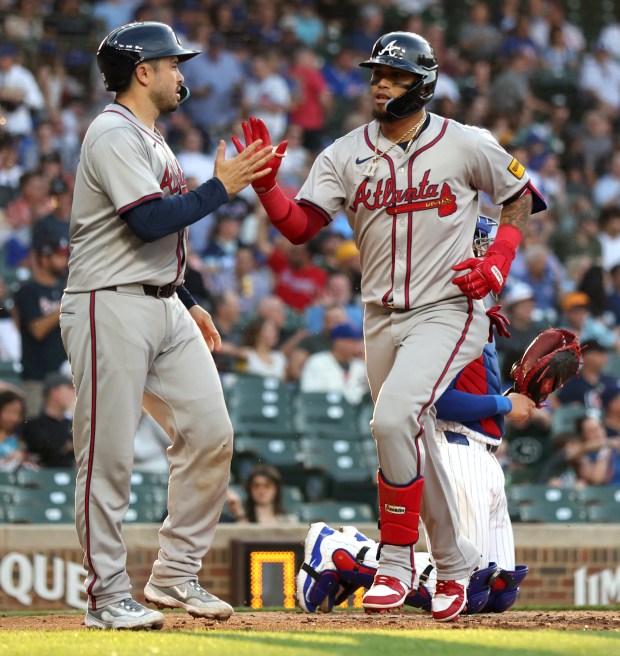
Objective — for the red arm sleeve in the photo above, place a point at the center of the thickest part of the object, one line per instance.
(298, 224)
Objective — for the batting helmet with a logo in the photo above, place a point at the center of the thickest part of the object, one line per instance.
(129, 45)
(409, 52)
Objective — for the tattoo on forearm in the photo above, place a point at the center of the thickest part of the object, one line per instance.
(517, 214)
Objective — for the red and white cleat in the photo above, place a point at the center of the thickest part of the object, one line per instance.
(449, 600)
(386, 593)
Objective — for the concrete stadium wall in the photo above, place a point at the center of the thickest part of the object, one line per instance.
(41, 566)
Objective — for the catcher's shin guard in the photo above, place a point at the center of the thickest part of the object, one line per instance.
(421, 597)
(505, 590)
(479, 588)
(399, 511)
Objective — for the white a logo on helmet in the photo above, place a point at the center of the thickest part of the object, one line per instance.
(392, 50)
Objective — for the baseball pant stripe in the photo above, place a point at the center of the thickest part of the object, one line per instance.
(91, 451)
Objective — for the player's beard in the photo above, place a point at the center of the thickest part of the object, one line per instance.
(165, 102)
(383, 116)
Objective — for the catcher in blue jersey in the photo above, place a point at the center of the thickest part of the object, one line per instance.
(470, 417)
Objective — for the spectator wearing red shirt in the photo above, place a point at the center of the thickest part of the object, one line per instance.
(299, 282)
(311, 97)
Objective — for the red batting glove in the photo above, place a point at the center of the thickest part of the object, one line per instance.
(488, 274)
(252, 131)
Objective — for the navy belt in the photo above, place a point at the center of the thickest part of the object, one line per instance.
(165, 291)
(457, 438)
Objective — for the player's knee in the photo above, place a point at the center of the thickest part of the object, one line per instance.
(390, 423)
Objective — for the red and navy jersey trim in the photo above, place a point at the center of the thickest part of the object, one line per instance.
(303, 202)
(140, 201)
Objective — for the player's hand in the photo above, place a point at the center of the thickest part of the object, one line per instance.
(522, 407)
(488, 274)
(207, 327)
(253, 130)
(243, 169)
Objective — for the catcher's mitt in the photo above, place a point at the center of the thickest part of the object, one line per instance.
(548, 362)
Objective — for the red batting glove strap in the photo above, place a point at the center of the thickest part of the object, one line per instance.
(500, 322)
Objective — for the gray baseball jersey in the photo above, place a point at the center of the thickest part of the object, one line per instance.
(416, 216)
(128, 348)
(122, 164)
(413, 219)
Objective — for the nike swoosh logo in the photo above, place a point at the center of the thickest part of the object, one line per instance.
(361, 161)
(180, 592)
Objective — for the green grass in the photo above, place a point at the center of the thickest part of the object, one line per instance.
(466, 642)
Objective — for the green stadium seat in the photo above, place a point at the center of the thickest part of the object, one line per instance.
(50, 478)
(560, 512)
(158, 479)
(11, 373)
(42, 496)
(599, 494)
(57, 514)
(528, 493)
(144, 513)
(269, 413)
(603, 512)
(564, 417)
(279, 451)
(336, 512)
(343, 461)
(326, 414)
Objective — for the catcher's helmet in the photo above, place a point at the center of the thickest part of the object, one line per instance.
(482, 235)
(126, 46)
(412, 53)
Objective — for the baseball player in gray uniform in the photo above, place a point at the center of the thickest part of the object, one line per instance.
(135, 336)
(409, 183)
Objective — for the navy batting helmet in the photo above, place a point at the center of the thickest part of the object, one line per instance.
(482, 235)
(129, 45)
(409, 52)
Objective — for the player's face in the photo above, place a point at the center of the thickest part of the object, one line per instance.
(387, 83)
(168, 79)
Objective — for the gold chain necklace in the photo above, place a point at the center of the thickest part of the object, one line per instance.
(413, 131)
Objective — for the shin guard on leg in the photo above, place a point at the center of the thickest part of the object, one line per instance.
(479, 588)
(399, 511)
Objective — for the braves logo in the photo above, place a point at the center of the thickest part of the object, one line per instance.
(425, 196)
(392, 50)
(174, 180)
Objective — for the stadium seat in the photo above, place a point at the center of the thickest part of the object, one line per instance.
(560, 512)
(529, 493)
(599, 494)
(344, 461)
(42, 496)
(326, 414)
(281, 452)
(603, 512)
(337, 512)
(49, 478)
(21, 514)
(563, 418)
(144, 513)
(11, 373)
(149, 478)
(266, 413)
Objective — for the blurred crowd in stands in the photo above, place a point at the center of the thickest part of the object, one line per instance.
(543, 76)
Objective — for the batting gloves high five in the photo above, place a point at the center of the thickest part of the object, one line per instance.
(252, 131)
(489, 273)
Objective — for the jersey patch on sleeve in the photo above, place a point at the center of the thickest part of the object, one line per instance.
(516, 168)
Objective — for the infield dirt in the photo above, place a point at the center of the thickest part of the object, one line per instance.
(573, 620)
